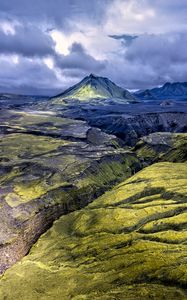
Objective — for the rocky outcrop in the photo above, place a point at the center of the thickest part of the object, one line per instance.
(162, 146)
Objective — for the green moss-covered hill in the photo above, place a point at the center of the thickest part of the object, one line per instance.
(94, 87)
(130, 243)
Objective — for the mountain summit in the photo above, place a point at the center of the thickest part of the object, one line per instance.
(94, 87)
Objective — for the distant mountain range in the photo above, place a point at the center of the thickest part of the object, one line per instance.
(169, 91)
(9, 100)
(95, 87)
(11, 96)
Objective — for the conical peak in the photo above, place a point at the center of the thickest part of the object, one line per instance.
(92, 76)
(91, 79)
(167, 84)
(93, 86)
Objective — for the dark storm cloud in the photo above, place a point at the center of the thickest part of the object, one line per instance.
(131, 57)
(159, 50)
(25, 76)
(164, 55)
(28, 41)
(151, 60)
(56, 12)
(79, 59)
(75, 74)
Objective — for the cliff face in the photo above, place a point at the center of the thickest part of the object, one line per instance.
(130, 127)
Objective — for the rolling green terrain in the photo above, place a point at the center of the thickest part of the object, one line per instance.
(50, 166)
(130, 243)
(88, 237)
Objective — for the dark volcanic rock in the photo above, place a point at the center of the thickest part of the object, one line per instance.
(128, 122)
(131, 240)
(130, 127)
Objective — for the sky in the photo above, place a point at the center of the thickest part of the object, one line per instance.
(48, 45)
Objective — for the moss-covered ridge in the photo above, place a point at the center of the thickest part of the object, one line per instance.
(130, 243)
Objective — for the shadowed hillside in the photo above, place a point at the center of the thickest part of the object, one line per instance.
(175, 90)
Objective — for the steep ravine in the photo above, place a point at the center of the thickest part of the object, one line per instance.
(43, 177)
(130, 243)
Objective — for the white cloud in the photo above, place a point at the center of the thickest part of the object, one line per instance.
(95, 40)
(131, 16)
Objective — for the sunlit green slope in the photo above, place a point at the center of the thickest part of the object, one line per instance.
(94, 87)
(130, 243)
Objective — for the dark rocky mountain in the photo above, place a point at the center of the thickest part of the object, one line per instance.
(174, 91)
(94, 87)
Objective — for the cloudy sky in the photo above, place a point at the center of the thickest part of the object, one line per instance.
(48, 45)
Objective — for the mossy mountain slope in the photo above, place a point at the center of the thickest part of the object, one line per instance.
(94, 87)
(130, 243)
